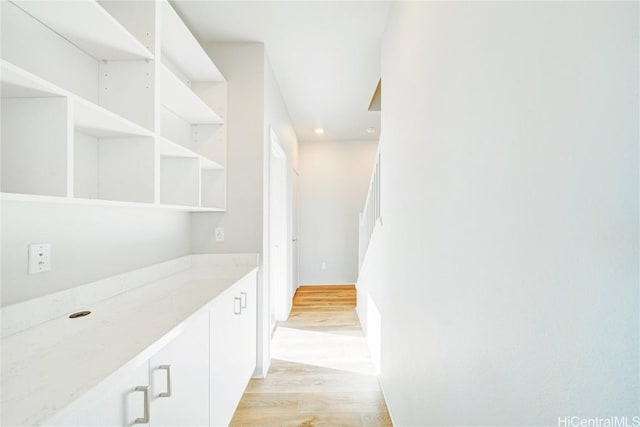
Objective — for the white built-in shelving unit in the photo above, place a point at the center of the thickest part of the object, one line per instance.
(109, 103)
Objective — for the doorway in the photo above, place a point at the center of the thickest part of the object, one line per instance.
(280, 233)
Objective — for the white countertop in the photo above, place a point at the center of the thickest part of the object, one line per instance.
(47, 367)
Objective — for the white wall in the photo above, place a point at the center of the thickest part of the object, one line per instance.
(88, 243)
(334, 178)
(510, 210)
(242, 64)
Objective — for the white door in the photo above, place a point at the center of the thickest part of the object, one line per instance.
(224, 346)
(179, 377)
(279, 234)
(247, 332)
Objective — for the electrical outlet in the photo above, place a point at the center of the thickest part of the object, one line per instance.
(324, 265)
(39, 257)
(219, 234)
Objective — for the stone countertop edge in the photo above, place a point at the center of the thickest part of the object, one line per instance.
(49, 368)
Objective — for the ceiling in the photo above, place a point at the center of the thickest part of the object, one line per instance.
(325, 56)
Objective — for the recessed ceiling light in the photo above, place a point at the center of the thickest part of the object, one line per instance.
(319, 131)
(371, 130)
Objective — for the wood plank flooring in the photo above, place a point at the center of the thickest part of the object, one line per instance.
(321, 373)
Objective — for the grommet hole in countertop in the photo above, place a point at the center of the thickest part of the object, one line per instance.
(79, 314)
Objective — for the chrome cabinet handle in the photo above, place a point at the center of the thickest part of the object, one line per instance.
(168, 369)
(244, 299)
(237, 305)
(145, 418)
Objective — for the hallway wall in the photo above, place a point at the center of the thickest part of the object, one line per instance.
(254, 103)
(334, 178)
(510, 207)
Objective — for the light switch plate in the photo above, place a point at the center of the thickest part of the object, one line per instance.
(39, 257)
(219, 234)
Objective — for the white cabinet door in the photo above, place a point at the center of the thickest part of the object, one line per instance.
(122, 404)
(248, 327)
(223, 367)
(233, 334)
(179, 380)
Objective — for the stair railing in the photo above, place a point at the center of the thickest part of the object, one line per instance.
(370, 215)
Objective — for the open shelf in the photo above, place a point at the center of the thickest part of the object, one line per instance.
(182, 48)
(206, 164)
(18, 83)
(95, 120)
(180, 181)
(89, 26)
(181, 100)
(87, 116)
(107, 168)
(186, 176)
(94, 100)
(35, 139)
(171, 149)
(213, 189)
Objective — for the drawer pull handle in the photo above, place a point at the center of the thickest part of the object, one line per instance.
(168, 369)
(244, 299)
(145, 418)
(237, 305)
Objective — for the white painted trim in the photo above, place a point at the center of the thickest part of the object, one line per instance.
(384, 396)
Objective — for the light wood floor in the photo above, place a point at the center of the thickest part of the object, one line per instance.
(321, 373)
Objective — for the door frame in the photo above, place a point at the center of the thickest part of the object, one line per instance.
(280, 233)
